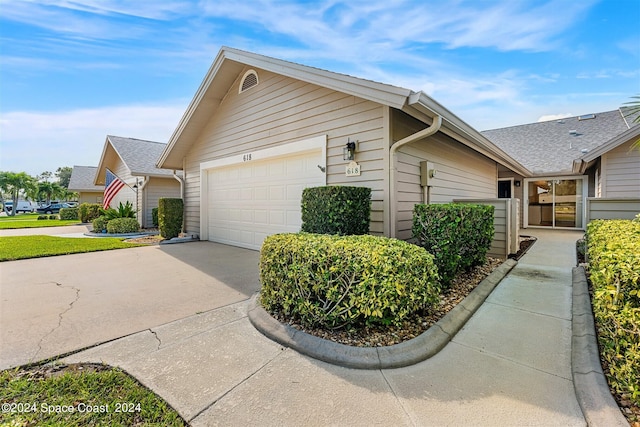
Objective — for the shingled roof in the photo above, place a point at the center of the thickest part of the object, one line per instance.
(82, 178)
(139, 156)
(549, 148)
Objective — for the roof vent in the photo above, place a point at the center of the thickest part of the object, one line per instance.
(573, 132)
(561, 121)
(584, 151)
(249, 80)
(587, 117)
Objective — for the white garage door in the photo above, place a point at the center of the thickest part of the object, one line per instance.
(251, 200)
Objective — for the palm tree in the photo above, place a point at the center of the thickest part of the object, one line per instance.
(634, 109)
(15, 183)
(49, 190)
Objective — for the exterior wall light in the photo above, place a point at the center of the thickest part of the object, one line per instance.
(349, 151)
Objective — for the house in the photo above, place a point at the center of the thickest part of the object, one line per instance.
(133, 161)
(260, 129)
(82, 182)
(582, 168)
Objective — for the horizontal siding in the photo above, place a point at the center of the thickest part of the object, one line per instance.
(158, 188)
(461, 174)
(612, 208)
(90, 197)
(282, 110)
(621, 168)
(126, 194)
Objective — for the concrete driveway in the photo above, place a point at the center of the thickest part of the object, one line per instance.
(51, 306)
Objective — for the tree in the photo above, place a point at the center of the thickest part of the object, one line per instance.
(45, 176)
(15, 183)
(634, 110)
(64, 176)
(49, 190)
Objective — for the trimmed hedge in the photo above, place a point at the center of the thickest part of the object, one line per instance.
(154, 216)
(336, 210)
(336, 281)
(170, 217)
(100, 224)
(87, 212)
(614, 268)
(69, 213)
(458, 235)
(123, 225)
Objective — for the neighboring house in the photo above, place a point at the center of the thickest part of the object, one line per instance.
(259, 130)
(133, 161)
(573, 160)
(82, 182)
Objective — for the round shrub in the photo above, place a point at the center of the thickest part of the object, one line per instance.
(41, 217)
(335, 281)
(99, 224)
(87, 212)
(53, 216)
(69, 213)
(123, 225)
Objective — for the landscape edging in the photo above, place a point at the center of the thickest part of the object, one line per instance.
(406, 353)
(592, 391)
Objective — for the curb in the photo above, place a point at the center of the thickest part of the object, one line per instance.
(592, 391)
(406, 353)
(128, 235)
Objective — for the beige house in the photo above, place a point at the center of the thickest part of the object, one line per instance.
(133, 161)
(583, 168)
(82, 182)
(259, 130)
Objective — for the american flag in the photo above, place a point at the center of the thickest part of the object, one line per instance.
(112, 185)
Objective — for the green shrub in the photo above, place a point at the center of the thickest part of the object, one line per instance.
(100, 224)
(614, 269)
(41, 217)
(336, 281)
(87, 212)
(53, 216)
(170, 217)
(336, 210)
(458, 235)
(69, 213)
(122, 225)
(154, 216)
(123, 211)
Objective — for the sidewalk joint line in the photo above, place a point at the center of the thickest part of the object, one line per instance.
(413, 421)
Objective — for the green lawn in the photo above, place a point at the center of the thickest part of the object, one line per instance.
(22, 247)
(31, 221)
(78, 395)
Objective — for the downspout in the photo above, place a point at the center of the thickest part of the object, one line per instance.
(145, 181)
(424, 133)
(181, 180)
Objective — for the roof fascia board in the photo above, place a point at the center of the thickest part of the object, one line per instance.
(460, 130)
(624, 137)
(99, 177)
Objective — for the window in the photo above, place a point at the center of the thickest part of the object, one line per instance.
(249, 80)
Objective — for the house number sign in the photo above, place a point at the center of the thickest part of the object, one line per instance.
(353, 169)
(246, 157)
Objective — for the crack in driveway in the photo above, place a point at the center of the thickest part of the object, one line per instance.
(157, 338)
(60, 316)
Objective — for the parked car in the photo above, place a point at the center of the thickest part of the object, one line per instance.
(23, 206)
(52, 208)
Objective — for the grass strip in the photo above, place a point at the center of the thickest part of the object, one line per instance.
(23, 247)
(80, 395)
(34, 223)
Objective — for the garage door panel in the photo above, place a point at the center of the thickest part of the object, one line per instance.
(251, 200)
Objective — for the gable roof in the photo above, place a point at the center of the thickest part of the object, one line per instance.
(82, 178)
(581, 164)
(229, 63)
(138, 155)
(549, 148)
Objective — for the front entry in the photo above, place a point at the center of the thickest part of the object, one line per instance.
(555, 202)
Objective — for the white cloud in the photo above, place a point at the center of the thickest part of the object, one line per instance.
(34, 142)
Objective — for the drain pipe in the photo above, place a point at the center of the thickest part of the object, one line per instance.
(424, 133)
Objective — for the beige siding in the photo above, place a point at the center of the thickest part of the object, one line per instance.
(157, 188)
(461, 174)
(90, 197)
(611, 208)
(282, 110)
(621, 172)
(126, 194)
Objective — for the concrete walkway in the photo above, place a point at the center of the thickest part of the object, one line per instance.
(510, 365)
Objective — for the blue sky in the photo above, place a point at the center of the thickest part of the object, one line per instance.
(72, 72)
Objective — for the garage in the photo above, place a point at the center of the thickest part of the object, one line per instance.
(258, 195)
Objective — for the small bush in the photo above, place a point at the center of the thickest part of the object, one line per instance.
(123, 211)
(69, 213)
(41, 217)
(336, 281)
(614, 267)
(170, 217)
(336, 210)
(458, 235)
(87, 212)
(99, 224)
(123, 225)
(53, 216)
(154, 216)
